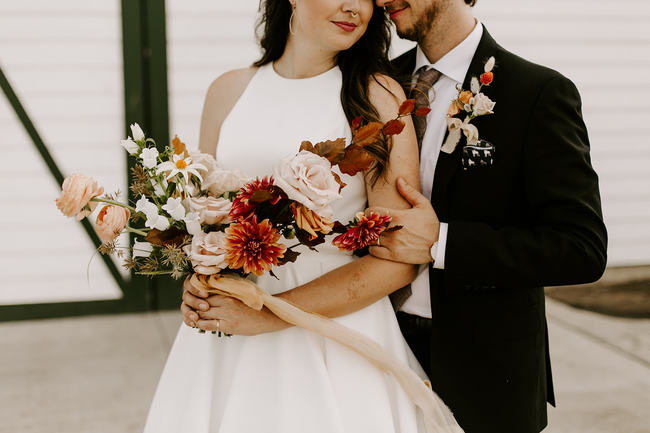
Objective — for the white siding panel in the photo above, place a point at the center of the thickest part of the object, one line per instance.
(64, 61)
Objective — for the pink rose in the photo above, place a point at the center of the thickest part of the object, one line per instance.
(211, 210)
(307, 178)
(77, 191)
(110, 222)
(207, 252)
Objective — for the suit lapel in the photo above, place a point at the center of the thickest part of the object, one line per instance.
(449, 164)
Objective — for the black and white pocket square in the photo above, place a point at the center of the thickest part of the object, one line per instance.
(479, 155)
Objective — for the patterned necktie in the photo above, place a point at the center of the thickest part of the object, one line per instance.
(426, 78)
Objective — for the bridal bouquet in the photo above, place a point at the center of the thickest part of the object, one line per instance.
(202, 218)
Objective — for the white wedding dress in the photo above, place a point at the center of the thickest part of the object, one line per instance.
(292, 381)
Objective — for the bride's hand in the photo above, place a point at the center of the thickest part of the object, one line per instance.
(232, 316)
(194, 301)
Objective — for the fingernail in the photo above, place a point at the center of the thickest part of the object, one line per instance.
(203, 306)
(193, 324)
(400, 180)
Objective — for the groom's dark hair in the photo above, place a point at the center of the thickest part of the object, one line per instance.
(470, 2)
(358, 64)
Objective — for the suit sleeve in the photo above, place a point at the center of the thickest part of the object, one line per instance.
(564, 240)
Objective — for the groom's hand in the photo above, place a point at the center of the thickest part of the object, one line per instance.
(420, 229)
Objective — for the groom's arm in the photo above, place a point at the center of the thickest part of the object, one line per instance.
(564, 241)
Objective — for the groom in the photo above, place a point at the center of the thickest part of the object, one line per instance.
(494, 223)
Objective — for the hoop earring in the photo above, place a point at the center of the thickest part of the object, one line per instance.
(293, 11)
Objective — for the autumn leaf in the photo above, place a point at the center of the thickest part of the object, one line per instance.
(422, 111)
(407, 107)
(367, 134)
(333, 151)
(393, 127)
(356, 123)
(338, 180)
(290, 256)
(355, 160)
(171, 236)
(393, 229)
(305, 239)
(179, 146)
(306, 145)
(339, 228)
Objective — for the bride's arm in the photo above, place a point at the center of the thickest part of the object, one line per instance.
(350, 287)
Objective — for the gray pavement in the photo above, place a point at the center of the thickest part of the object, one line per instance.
(98, 374)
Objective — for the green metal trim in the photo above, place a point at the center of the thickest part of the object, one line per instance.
(146, 102)
(54, 170)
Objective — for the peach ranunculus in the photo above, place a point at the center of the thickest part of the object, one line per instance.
(465, 96)
(77, 191)
(207, 252)
(211, 210)
(310, 222)
(110, 222)
(307, 178)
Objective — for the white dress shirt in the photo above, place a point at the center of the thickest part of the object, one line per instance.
(453, 66)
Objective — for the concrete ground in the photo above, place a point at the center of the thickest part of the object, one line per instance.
(98, 374)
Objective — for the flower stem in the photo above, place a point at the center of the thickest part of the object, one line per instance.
(155, 273)
(116, 203)
(136, 231)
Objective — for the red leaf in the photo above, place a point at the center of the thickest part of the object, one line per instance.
(356, 123)
(290, 256)
(422, 111)
(407, 107)
(355, 160)
(367, 134)
(393, 127)
(306, 145)
(171, 236)
(333, 151)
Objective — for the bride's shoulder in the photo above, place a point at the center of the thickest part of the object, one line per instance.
(221, 97)
(231, 83)
(385, 95)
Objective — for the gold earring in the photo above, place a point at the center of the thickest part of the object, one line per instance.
(293, 11)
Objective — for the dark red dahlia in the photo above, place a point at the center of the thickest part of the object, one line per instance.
(364, 231)
(253, 246)
(251, 195)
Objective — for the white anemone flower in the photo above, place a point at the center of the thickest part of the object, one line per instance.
(146, 207)
(158, 222)
(130, 146)
(138, 135)
(149, 156)
(193, 223)
(142, 249)
(180, 165)
(175, 208)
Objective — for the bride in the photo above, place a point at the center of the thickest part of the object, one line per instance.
(324, 62)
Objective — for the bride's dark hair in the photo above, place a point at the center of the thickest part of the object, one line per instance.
(358, 64)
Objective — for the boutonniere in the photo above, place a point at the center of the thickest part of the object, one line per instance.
(473, 104)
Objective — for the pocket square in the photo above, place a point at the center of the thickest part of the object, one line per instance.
(479, 155)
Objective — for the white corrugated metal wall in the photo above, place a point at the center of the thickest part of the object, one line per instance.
(603, 46)
(64, 60)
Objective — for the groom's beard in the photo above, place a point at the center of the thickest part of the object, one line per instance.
(422, 25)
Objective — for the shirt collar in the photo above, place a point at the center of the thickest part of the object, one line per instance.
(456, 62)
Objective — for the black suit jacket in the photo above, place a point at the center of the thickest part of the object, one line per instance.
(531, 219)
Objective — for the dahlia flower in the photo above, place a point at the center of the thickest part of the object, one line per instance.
(253, 246)
(242, 207)
(364, 232)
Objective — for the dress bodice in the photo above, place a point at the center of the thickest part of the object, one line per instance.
(272, 117)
